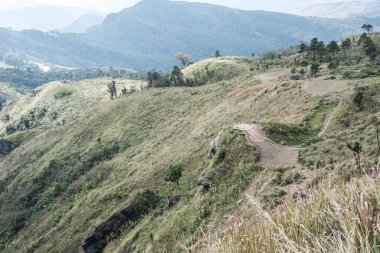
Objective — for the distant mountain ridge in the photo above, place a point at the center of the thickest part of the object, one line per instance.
(43, 17)
(147, 36)
(343, 9)
(82, 24)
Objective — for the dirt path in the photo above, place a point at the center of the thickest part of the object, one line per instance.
(329, 118)
(272, 154)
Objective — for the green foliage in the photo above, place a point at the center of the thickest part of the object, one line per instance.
(174, 174)
(363, 98)
(286, 176)
(304, 133)
(333, 48)
(314, 69)
(369, 48)
(5, 118)
(63, 94)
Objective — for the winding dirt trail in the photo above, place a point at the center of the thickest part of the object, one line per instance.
(329, 118)
(274, 155)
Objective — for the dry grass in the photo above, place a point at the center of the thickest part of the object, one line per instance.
(336, 217)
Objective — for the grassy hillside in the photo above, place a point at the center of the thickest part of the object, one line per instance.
(90, 171)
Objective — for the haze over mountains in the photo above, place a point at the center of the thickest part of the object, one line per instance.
(148, 35)
(43, 17)
(341, 9)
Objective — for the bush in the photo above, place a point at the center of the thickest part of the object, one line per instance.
(62, 94)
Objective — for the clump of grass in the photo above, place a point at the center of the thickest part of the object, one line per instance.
(335, 217)
(62, 94)
(286, 176)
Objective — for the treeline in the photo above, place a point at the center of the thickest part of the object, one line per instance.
(334, 53)
(176, 78)
(33, 77)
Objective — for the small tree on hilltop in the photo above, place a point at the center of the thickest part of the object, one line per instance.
(183, 58)
(174, 174)
(368, 28)
(303, 48)
(217, 54)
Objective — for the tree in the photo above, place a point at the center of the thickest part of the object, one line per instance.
(362, 38)
(346, 47)
(313, 48)
(112, 90)
(183, 58)
(314, 69)
(369, 48)
(177, 77)
(321, 49)
(253, 54)
(174, 174)
(362, 97)
(368, 28)
(334, 64)
(217, 54)
(303, 48)
(333, 48)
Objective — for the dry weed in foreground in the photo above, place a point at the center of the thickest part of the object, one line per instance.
(336, 217)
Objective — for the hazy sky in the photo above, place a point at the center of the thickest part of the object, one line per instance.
(116, 5)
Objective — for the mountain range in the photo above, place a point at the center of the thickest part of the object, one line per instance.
(43, 17)
(147, 35)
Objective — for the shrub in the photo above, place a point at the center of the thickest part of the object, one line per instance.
(174, 174)
(62, 94)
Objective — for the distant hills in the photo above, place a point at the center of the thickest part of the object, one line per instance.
(82, 24)
(343, 9)
(43, 17)
(148, 35)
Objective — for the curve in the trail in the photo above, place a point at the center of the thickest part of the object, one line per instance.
(272, 154)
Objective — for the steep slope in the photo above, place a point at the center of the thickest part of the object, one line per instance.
(86, 183)
(148, 35)
(62, 102)
(78, 174)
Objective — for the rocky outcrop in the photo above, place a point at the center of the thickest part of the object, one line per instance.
(215, 146)
(142, 204)
(174, 200)
(6, 147)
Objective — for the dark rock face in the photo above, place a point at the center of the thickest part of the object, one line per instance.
(6, 147)
(140, 206)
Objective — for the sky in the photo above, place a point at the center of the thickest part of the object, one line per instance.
(117, 5)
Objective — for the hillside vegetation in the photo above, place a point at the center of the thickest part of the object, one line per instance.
(136, 173)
